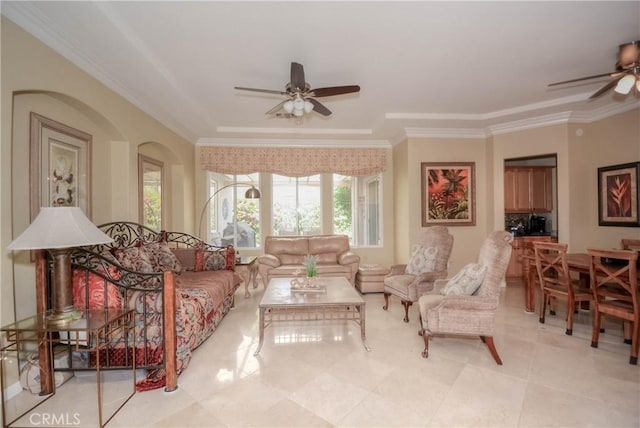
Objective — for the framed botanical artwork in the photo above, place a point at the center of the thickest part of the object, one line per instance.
(60, 166)
(619, 195)
(448, 193)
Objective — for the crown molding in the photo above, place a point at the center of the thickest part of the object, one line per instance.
(445, 133)
(563, 117)
(491, 115)
(299, 131)
(262, 142)
(604, 111)
(37, 25)
(529, 123)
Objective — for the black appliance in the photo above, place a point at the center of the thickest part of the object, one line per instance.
(537, 225)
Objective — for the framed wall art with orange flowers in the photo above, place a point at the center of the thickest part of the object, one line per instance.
(618, 195)
(448, 193)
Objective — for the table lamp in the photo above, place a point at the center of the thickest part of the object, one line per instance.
(58, 230)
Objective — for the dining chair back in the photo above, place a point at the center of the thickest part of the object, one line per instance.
(555, 280)
(630, 244)
(614, 281)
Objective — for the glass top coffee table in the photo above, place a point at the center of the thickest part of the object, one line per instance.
(336, 300)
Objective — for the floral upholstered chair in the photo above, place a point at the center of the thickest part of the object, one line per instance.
(467, 303)
(429, 260)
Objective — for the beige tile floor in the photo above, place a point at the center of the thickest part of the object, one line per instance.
(320, 375)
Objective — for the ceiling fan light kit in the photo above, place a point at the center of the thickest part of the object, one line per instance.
(300, 95)
(625, 76)
(625, 84)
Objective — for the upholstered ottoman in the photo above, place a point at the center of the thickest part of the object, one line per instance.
(370, 278)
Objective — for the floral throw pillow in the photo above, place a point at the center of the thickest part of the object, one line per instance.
(214, 260)
(162, 258)
(134, 259)
(466, 282)
(101, 293)
(423, 259)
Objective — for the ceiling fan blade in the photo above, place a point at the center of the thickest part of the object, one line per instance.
(319, 107)
(606, 87)
(297, 77)
(265, 91)
(277, 108)
(334, 90)
(611, 74)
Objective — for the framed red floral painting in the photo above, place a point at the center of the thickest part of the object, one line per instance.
(448, 194)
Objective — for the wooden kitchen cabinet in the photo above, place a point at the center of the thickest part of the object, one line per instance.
(528, 189)
(514, 269)
(521, 246)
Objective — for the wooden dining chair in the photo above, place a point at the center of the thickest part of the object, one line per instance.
(630, 244)
(614, 282)
(555, 280)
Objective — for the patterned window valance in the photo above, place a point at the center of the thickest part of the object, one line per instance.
(293, 162)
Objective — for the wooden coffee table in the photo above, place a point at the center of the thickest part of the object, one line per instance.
(338, 302)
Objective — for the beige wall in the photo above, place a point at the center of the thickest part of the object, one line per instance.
(611, 141)
(401, 227)
(467, 239)
(34, 78)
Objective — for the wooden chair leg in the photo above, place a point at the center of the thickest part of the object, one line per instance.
(386, 300)
(552, 305)
(406, 305)
(627, 332)
(635, 344)
(543, 307)
(596, 330)
(570, 305)
(492, 348)
(425, 337)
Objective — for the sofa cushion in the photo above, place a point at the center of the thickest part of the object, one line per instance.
(423, 259)
(210, 260)
(292, 259)
(327, 258)
(162, 258)
(187, 257)
(214, 260)
(287, 245)
(328, 244)
(348, 258)
(134, 259)
(467, 281)
(269, 260)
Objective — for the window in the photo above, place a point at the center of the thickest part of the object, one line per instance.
(150, 192)
(232, 219)
(356, 208)
(296, 205)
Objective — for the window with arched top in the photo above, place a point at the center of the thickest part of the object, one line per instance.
(150, 178)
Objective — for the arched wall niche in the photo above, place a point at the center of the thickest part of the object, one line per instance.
(101, 186)
(172, 185)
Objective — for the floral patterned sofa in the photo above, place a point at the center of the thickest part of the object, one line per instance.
(180, 288)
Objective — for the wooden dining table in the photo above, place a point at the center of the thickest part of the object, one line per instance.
(576, 262)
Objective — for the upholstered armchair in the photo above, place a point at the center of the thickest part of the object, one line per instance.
(462, 307)
(429, 260)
